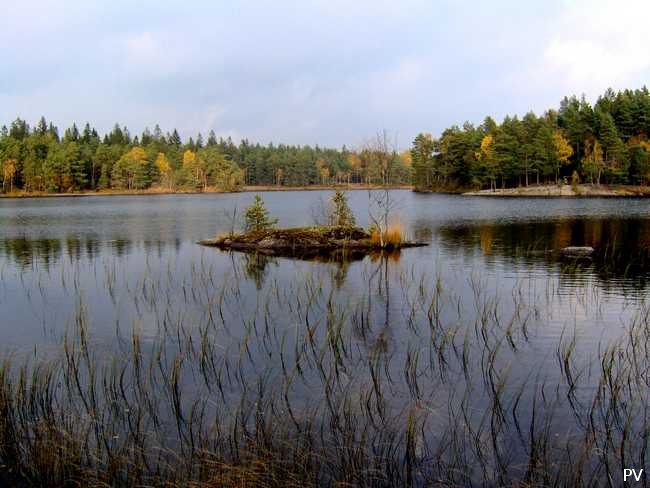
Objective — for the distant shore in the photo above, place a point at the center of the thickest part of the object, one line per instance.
(162, 191)
(568, 191)
(541, 191)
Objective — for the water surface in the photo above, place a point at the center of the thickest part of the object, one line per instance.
(488, 306)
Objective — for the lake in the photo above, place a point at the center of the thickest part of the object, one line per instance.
(482, 358)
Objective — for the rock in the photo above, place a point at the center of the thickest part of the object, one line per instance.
(577, 251)
(270, 242)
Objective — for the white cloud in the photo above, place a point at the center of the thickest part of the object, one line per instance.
(597, 44)
(150, 54)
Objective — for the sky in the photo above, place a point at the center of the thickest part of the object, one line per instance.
(327, 72)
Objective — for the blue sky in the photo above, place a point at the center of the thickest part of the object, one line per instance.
(330, 72)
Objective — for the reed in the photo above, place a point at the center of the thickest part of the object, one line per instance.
(217, 381)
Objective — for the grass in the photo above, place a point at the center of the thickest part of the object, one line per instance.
(393, 236)
(411, 382)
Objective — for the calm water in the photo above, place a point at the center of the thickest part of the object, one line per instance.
(131, 263)
(45, 241)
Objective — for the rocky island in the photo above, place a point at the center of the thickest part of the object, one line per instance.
(305, 242)
(341, 238)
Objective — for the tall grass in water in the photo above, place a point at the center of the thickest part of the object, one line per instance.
(393, 235)
(412, 384)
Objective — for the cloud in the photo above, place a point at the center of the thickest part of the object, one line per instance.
(598, 44)
(320, 71)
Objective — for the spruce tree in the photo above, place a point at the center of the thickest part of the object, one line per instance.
(257, 216)
(341, 215)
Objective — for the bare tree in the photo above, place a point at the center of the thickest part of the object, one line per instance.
(383, 155)
(320, 212)
(234, 219)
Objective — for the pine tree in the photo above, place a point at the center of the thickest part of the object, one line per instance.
(257, 216)
(422, 157)
(340, 214)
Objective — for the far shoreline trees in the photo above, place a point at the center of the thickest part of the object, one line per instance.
(39, 159)
(607, 143)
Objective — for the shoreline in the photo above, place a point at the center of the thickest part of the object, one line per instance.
(541, 191)
(556, 191)
(210, 191)
(567, 191)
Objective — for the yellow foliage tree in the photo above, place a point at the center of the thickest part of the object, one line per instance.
(164, 168)
(196, 167)
(131, 171)
(8, 173)
(406, 158)
(486, 156)
(189, 158)
(593, 162)
(563, 151)
(355, 165)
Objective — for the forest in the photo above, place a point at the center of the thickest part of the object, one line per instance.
(606, 143)
(40, 159)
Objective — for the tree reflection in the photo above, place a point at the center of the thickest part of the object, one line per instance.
(622, 246)
(256, 267)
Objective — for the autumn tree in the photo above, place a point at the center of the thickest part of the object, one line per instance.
(487, 168)
(8, 174)
(563, 152)
(355, 166)
(164, 170)
(592, 162)
(132, 170)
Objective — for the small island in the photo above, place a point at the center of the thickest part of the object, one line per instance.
(307, 242)
(340, 238)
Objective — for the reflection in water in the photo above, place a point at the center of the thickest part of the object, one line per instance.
(467, 352)
(255, 267)
(622, 247)
(621, 258)
(25, 252)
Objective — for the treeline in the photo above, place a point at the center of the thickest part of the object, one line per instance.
(604, 143)
(40, 159)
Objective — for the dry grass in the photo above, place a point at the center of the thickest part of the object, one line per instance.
(393, 235)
